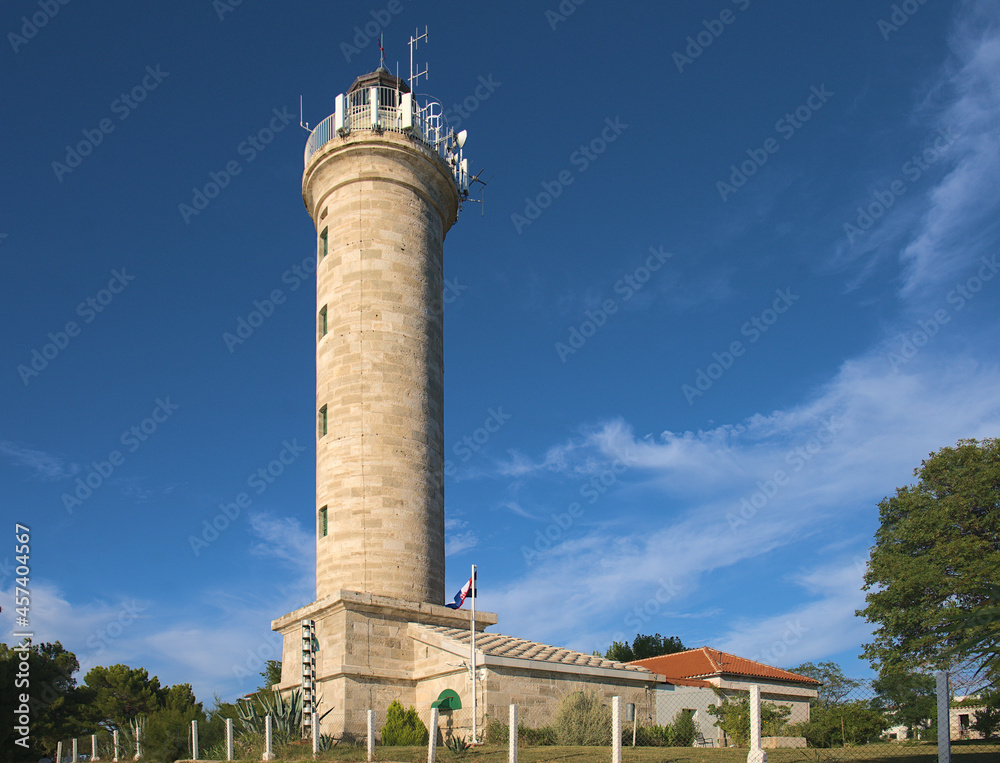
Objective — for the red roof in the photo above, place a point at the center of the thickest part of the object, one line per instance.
(705, 663)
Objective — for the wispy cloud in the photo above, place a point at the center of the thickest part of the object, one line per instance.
(44, 466)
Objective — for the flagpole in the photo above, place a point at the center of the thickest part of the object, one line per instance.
(473, 661)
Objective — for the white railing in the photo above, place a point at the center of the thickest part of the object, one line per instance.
(384, 108)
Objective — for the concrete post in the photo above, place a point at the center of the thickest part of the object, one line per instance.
(315, 731)
(512, 741)
(229, 738)
(943, 717)
(756, 754)
(616, 730)
(268, 740)
(371, 735)
(432, 740)
(114, 744)
(194, 740)
(93, 747)
(58, 752)
(76, 755)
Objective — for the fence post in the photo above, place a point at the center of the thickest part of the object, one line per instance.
(76, 756)
(315, 731)
(943, 717)
(616, 730)
(268, 741)
(58, 752)
(93, 747)
(114, 744)
(512, 736)
(229, 738)
(756, 754)
(371, 735)
(194, 739)
(433, 738)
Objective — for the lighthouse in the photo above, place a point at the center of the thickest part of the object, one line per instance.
(384, 181)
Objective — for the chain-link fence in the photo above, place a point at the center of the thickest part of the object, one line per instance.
(882, 719)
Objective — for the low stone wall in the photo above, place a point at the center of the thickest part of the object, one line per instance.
(771, 743)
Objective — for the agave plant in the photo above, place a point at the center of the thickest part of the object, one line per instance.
(286, 714)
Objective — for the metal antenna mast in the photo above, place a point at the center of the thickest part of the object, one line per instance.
(415, 76)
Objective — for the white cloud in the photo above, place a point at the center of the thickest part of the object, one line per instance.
(44, 466)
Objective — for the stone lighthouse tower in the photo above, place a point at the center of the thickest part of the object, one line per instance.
(383, 182)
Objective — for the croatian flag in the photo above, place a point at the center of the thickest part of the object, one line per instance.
(461, 595)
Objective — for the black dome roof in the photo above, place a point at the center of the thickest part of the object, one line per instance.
(382, 78)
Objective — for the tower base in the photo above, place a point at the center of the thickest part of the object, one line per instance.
(370, 653)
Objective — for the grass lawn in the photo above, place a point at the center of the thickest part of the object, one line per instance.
(890, 753)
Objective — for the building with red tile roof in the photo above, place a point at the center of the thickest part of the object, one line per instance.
(695, 678)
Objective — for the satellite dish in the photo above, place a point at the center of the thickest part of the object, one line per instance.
(460, 138)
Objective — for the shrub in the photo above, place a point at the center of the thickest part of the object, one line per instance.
(683, 729)
(851, 722)
(403, 728)
(497, 732)
(583, 720)
(734, 718)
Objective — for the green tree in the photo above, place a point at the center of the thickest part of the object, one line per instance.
(403, 727)
(58, 708)
(935, 558)
(837, 724)
(643, 647)
(987, 720)
(835, 686)
(908, 699)
(733, 715)
(271, 675)
(121, 694)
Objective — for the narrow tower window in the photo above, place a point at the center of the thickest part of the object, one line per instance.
(322, 322)
(323, 244)
(322, 421)
(322, 522)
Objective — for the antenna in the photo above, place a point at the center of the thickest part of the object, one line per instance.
(303, 125)
(482, 194)
(415, 76)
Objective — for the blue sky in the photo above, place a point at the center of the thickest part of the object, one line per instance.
(735, 276)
